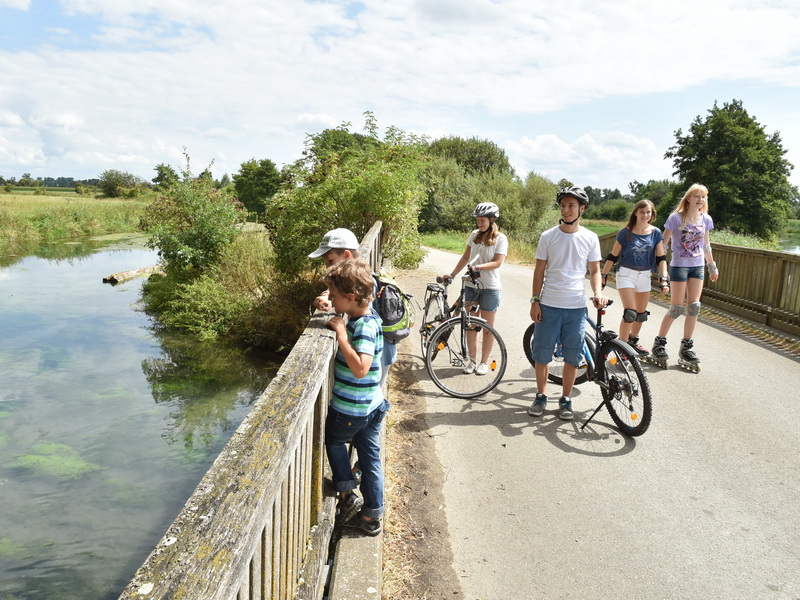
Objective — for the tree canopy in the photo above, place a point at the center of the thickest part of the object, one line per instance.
(742, 166)
(255, 183)
(473, 154)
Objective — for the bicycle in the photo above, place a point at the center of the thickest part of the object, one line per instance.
(449, 337)
(614, 366)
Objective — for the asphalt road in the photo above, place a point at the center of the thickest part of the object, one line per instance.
(706, 504)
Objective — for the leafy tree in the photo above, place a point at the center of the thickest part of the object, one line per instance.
(364, 183)
(165, 176)
(26, 180)
(115, 184)
(474, 154)
(255, 183)
(191, 223)
(743, 167)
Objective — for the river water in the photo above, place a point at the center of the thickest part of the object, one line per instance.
(106, 425)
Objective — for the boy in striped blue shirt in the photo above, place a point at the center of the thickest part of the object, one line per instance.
(358, 406)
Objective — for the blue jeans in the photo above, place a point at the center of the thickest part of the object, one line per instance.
(560, 325)
(365, 433)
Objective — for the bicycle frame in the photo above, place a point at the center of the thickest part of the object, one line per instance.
(595, 374)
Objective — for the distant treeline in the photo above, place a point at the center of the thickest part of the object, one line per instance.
(48, 182)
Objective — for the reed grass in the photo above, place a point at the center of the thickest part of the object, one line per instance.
(29, 220)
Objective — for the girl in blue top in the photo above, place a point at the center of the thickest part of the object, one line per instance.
(640, 250)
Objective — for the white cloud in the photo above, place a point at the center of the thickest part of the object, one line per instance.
(16, 4)
(241, 79)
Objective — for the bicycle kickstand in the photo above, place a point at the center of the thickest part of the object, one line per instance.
(596, 410)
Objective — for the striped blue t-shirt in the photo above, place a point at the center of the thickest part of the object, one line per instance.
(353, 396)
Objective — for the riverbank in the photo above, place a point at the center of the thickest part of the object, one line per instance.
(27, 220)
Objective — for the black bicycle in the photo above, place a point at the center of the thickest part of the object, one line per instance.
(452, 339)
(614, 366)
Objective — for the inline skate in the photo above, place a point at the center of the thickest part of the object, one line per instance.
(658, 354)
(687, 358)
(633, 342)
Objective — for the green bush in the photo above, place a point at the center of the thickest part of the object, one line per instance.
(191, 222)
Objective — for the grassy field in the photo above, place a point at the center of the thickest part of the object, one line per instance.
(27, 220)
(526, 254)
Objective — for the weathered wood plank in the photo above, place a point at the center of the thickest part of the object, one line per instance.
(201, 554)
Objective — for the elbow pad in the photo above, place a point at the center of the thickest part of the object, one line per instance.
(660, 259)
(707, 248)
(612, 258)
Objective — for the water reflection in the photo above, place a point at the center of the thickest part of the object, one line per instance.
(202, 384)
(106, 425)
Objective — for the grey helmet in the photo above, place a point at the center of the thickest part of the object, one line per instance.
(486, 209)
(574, 192)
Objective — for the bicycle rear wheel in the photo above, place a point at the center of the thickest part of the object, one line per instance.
(556, 371)
(433, 315)
(627, 396)
(446, 358)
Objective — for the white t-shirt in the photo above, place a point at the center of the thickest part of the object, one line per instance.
(490, 280)
(567, 255)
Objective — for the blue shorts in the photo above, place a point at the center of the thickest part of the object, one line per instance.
(566, 326)
(686, 273)
(487, 299)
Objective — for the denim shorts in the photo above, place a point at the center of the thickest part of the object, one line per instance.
(565, 326)
(686, 273)
(487, 299)
(631, 278)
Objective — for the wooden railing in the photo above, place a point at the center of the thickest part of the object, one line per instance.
(259, 523)
(760, 285)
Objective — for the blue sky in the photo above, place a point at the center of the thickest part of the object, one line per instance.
(589, 93)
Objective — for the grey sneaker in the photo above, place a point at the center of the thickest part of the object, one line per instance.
(565, 409)
(370, 527)
(348, 507)
(537, 408)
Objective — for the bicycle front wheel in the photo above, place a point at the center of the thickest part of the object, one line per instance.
(556, 369)
(627, 395)
(450, 365)
(433, 315)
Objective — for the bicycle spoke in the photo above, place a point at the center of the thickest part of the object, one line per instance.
(627, 395)
(449, 363)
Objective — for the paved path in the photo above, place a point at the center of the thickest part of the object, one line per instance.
(705, 505)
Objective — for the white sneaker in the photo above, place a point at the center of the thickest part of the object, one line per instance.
(469, 368)
(482, 369)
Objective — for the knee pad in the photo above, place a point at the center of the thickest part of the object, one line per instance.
(642, 316)
(675, 311)
(629, 315)
(694, 309)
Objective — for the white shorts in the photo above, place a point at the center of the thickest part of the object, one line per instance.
(630, 278)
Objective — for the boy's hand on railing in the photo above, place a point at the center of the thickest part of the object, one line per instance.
(322, 302)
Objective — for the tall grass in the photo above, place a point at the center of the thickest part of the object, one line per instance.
(28, 220)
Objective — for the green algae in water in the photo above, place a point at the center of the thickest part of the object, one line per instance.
(9, 547)
(55, 460)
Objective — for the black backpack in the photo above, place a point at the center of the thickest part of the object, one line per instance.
(394, 307)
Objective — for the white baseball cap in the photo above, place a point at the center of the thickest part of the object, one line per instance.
(336, 238)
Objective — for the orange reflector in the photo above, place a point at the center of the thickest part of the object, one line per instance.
(440, 346)
(493, 365)
(634, 416)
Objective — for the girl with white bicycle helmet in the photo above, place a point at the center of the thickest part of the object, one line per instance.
(486, 251)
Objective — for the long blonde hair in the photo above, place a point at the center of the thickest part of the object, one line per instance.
(490, 234)
(683, 205)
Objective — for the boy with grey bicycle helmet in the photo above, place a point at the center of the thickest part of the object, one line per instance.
(558, 303)
(486, 250)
